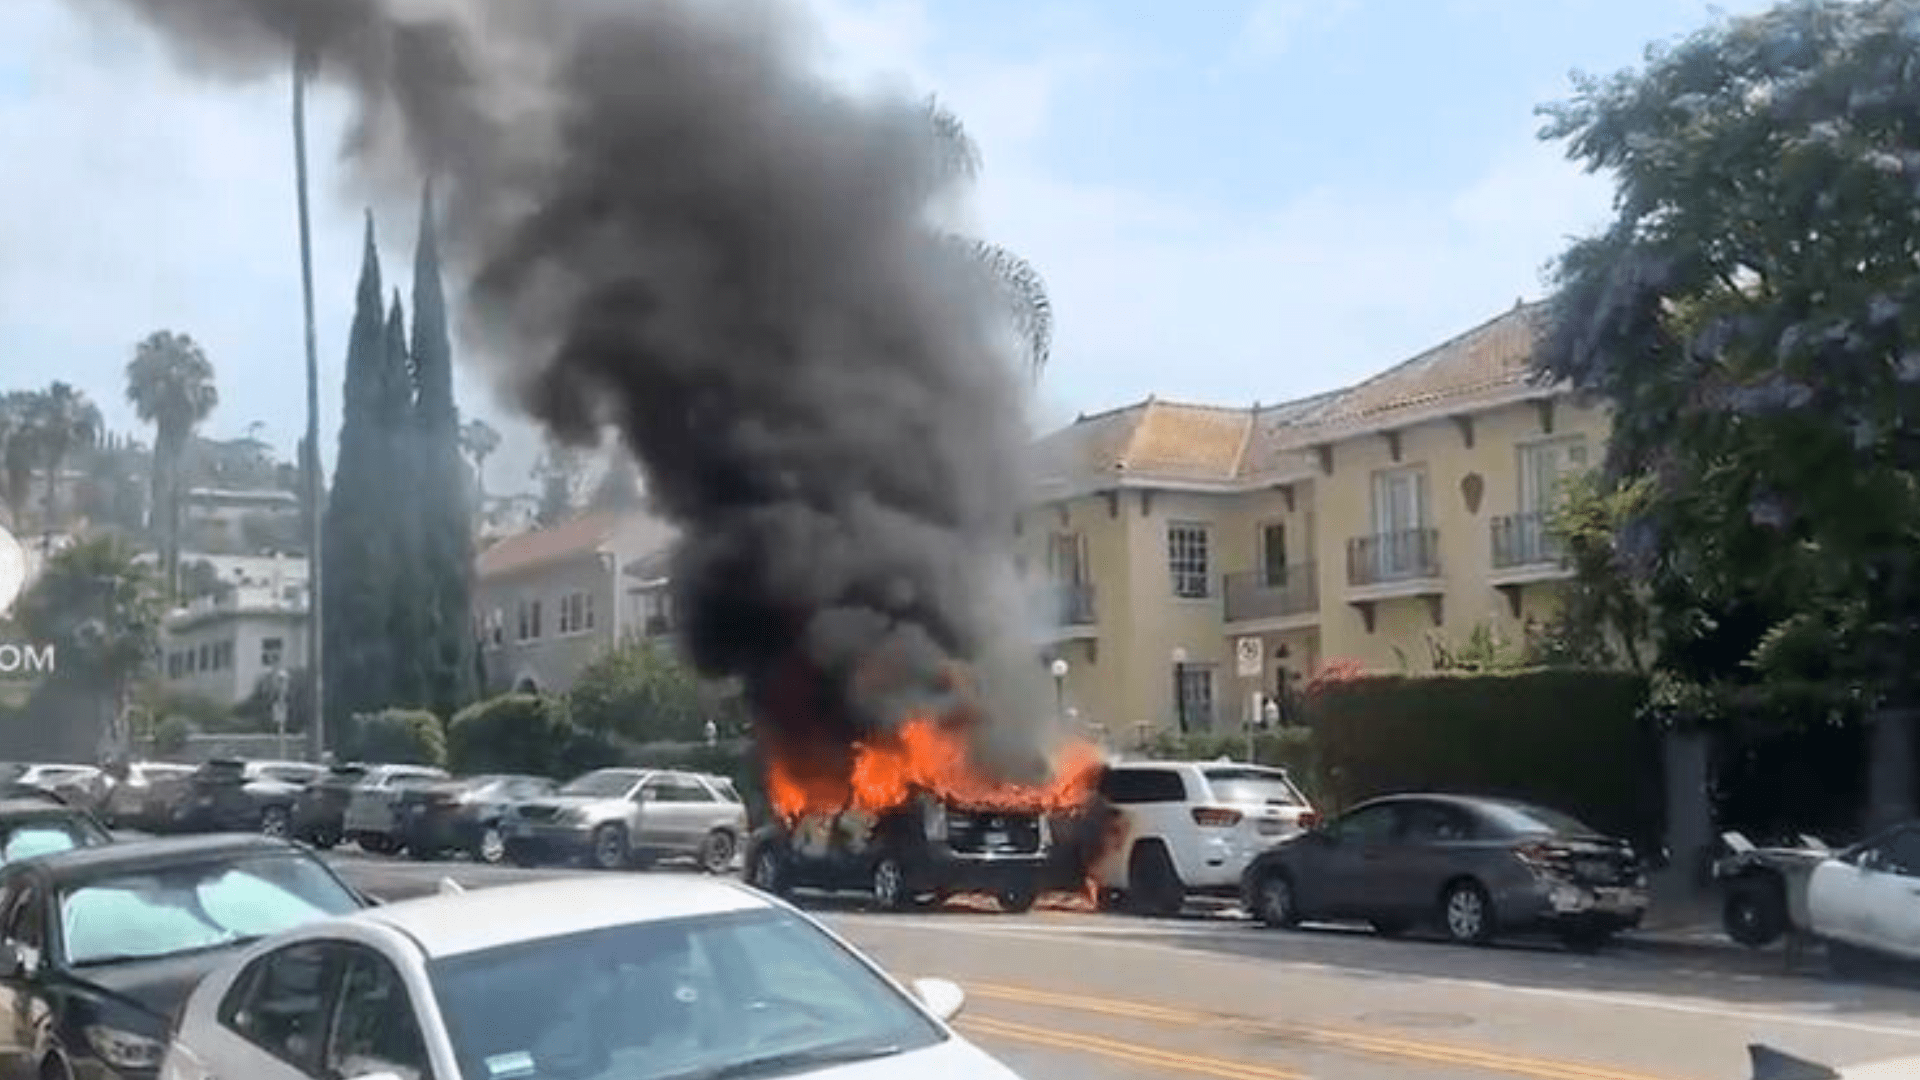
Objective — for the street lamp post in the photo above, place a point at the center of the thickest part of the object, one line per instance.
(312, 490)
(280, 680)
(1180, 687)
(1060, 668)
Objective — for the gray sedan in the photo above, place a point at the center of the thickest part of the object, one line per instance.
(1473, 867)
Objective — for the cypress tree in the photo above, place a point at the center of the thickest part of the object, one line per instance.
(408, 601)
(357, 572)
(442, 487)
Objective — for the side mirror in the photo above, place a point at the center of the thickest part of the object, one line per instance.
(943, 998)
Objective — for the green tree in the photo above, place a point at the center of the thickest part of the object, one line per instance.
(510, 733)
(100, 611)
(170, 384)
(1748, 314)
(642, 692)
(1603, 618)
(404, 493)
(60, 420)
(400, 736)
(479, 441)
(444, 489)
(19, 456)
(358, 575)
(1028, 304)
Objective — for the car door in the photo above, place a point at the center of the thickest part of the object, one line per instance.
(650, 828)
(692, 810)
(1349, 865)
(24, 1013)
(1425, 852)
(1147, 802)
(1888, 894)
(375, 1027)
(273, 1022)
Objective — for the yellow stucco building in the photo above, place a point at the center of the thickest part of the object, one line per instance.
(1181, 545)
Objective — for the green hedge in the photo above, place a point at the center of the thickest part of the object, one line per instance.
(401, 736)
(513, 733)
(1290, 748)
(1565, 738)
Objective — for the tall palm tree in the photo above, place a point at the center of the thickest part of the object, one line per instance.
(1031, 309)
(479, 440)
(170, 385)
(18, 454)
(61, 420)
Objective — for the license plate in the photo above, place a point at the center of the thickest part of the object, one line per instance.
(1272, 827)
(998, 839)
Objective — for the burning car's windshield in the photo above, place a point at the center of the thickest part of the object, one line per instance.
(601, 785)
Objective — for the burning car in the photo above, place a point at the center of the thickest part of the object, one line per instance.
(919, 852)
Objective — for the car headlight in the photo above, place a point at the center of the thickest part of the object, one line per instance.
(125, 1050)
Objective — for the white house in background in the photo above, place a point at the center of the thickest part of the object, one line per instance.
(546, 602)
(215, 514)
(649, 602)
(286, 575)
(221, 647)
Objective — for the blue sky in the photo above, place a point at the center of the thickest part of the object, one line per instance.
(1232, 201)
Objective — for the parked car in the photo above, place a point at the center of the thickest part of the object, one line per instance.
(82, 785)
(100, 947)
(147, 794)
(229, 795)
(370, 821)
(616, 818)
(1182, 828)
(1475, 867)
(1764, 889)
(1771, 1064)
(37, 824)
(580, 977)
(464, 814)
(320, 812)
(1864, 902)
(918, 853)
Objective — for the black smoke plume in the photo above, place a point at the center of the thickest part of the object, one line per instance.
(666, 222)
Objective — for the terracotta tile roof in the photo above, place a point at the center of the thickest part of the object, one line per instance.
(569, 539)
(1166, 440)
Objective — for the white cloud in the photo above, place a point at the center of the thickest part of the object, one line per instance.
(1272, 27)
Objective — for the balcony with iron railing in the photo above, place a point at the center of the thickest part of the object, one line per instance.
(1394, 563)
(1255, 595)
(1525, 548)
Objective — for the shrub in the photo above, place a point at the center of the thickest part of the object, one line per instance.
(398, 736)
(514, 733)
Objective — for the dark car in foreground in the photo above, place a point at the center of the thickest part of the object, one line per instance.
(100, 947)
(1474, 868)
(463, 815)
(35, 823)
(922, 852)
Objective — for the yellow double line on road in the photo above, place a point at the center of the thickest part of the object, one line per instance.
(1360, 1042)
(1132, 1053)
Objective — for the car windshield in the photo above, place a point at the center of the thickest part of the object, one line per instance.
(1251, 786)
(752, 994)
(25, 839)
(1522, 819)
(601, 785)
(179, 909)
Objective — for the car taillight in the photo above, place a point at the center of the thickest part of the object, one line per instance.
(1308, 820)
(1215, 817)
(1538, 856)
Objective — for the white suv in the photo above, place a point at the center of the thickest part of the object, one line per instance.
(1185, 828)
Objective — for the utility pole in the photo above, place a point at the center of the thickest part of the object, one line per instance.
(304, 63)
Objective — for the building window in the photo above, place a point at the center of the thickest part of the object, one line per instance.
(1273, 555)
(1187, 555)
(205, 660)
(223, 656)
(174, 665)
(1067, 558)
(576, 613)
(1193, 696)
(271, 650)
(1545, 467)
(529, 620)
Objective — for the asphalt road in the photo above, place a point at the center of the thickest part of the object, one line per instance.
(1062, 996)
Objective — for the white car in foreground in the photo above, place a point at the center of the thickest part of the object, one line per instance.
(587, 978)
(1771, 1064)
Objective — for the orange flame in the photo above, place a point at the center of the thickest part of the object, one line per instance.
(923, 755)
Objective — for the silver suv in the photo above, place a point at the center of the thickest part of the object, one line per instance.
(616, 818)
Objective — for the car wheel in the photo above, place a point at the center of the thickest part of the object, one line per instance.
(1274, 902)
(610, 848)
(1755, 912)
(889, 884)
(1466, 912)
(275, 821)
(768, 872)
(716, 852)
(492, 845)
(1019, 899)
(1153, 885)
